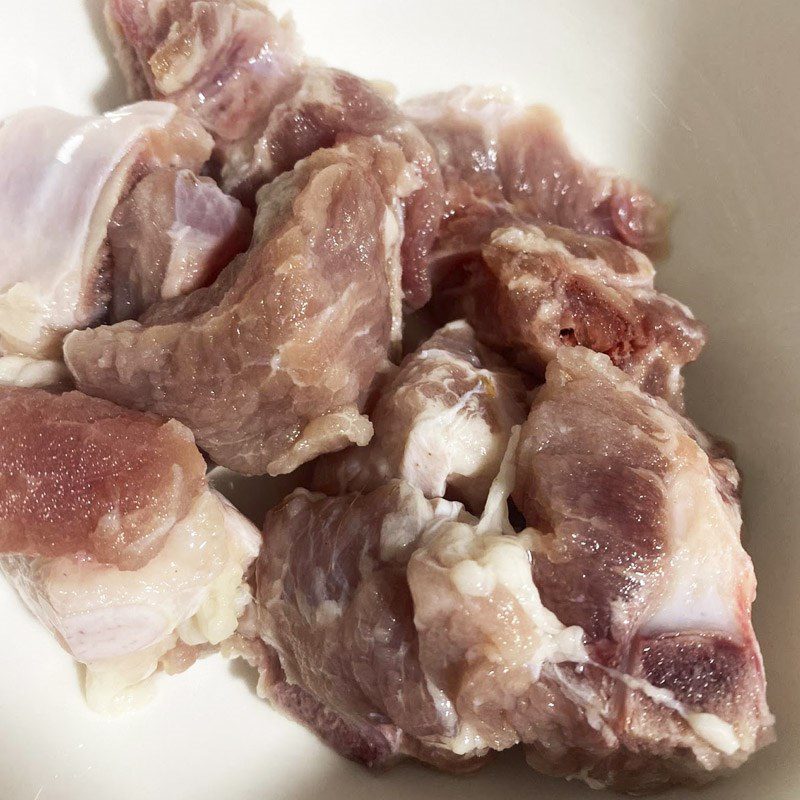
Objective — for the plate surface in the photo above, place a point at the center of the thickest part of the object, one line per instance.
(700, 100)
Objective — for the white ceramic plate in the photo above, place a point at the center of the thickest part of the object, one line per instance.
(700, 99)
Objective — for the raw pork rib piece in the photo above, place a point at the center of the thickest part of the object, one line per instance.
(490, 148)
(65, 174)
(241, 72)
(640, 546)
(272, 364)
(336, 621)
(614, 641)
(442, 423)
(532, 289)
(329, 103)
(171, 235)
(111, 535)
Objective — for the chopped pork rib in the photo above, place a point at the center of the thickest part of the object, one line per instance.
(532, 289)
(65, 175)
(490, 148)
(171, 235)
(639, 545)
(272, 364)
(241, 72)
(329, 103)
(334, 605)
(441, 424)
(393, 625)
(112, 537)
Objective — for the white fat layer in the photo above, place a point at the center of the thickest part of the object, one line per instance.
(466, 741)
(484, 557)
(62, 174)
(707, 563)
(531, 239)
(495, 512)
(710, 728)
(446, 440)
(393, 226)
(325, 434)
(32, 373)
(120, 622)
(718, 733)
(400, 529)
(123, 684)
(185, 67)
(452, 441)
(480, 565)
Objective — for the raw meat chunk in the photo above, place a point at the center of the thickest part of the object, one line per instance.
(329, 103)
(241, 72)
(272, 364)
(333, 604)
(65, 175)
(112, 537)
(171, 235)
(613, 639)
(532, 289)
(81, 474)
(441, 423)
(639, 545)
(490, 148)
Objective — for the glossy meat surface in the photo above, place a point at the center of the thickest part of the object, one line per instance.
(639, 544)
(271, 365)
(227, 62)
(113, 539)
(333, 603)
(81, 474)
(490, 148)
(612, 638)
(34, 373)
(241, 72)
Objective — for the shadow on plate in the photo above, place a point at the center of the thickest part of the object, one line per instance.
(111, 92)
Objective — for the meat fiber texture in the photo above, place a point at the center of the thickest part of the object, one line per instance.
(333, 603)
(492, 151)
(242, 73)
(638, 542)
(64, 175)
(442, 423)
(173, 234)
(528, 290)
(112, 537)
(612, 638)
(272, 364)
